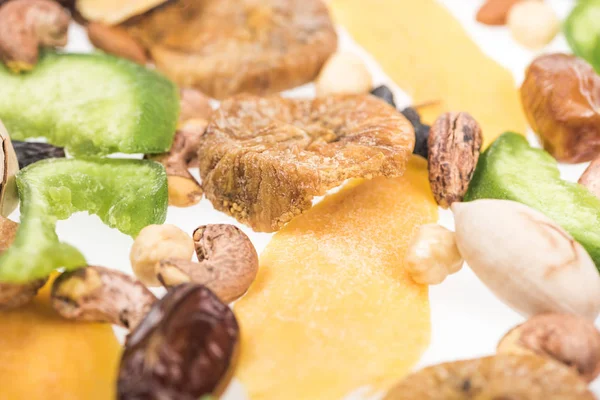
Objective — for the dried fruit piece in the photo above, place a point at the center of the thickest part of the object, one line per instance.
(591, 177)
(224, 47)
(91, 104)
(115, 40)
(8, 231)
(583, 31)
(499, 377)
(385, 94)
(333, 307)
(561, 98)
(533, 24)
(495, 12)
(414, 64)
(15, 295)
(511, 169)
(453, 150)
(9, 167)
(343, 73)
(125, 194)
(31, 152)
(47, 357)
(568, 339)
(27, 25)
(112, 12)
(421, 131)
(181, 350)
(262, 160)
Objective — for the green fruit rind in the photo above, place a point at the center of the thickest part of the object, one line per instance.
(91, 104)
(126, 194)
(582, 30)
(510, 169)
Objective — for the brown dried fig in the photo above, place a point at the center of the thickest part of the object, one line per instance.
(181, 350)
(499, 377)
(263, 159)
(453, 150)
(561, 99)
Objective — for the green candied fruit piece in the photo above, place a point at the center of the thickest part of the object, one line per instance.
(510, 169)
(91, 104)
(582, 30)
(125, 194)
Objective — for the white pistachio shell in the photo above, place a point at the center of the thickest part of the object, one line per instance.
(526, 259)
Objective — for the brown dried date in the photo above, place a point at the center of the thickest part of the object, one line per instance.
(454, 144)
(181, 350)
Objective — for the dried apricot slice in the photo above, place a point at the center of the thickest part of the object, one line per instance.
(262, 160)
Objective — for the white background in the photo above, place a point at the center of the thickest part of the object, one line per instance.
(467, 320)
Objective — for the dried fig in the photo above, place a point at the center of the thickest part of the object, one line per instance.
(499, 377)
(224, 47)
(561, 98)
(181, 350)
(262, 160)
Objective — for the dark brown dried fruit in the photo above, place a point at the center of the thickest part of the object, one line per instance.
(421, 131)
(224, 47)
(181, 350)
(500, 377)
(385, 94)
(262, 160)
(561, 99)
(31, 152)
(454, 144)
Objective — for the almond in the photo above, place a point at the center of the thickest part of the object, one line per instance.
(495, 12)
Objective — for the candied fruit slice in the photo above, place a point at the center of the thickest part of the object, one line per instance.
(333, 307)
(90, 104)
(427, 52)
(125, 194)
(44, 356)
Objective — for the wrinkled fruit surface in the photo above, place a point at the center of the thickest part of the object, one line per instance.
(47, 357)
(262, 160)
(421, 131)
(181, 350)
(561, 98)
(30, 152)
(224, 47)
(91, 104)
(333, 307)
(500, 377)
(125, 194)
(510, 169)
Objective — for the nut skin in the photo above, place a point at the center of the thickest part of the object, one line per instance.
(453, 145)
(566, 338)
(156, 243)
(8, 231)
(433, 255)
(98, 294)
(182, 349)
(117, 41)
(591, 177)
(9, 166)
(228, 263)
(26, 25)
(561, 99)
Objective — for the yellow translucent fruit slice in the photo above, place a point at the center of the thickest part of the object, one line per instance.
(425, 50)
(43, 356)
(332, 308)
(114, 11)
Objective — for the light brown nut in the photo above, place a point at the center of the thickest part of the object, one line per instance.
(533, 24)
(454, 144)
(504, 376)
(591, 177)
(344, 73)
(14, 295)
(98, 294)
(117, 41)
(566, 338)
(155, 243)
(495, 12)
(433, 255)
(26, 25)
(8, 231)
(227, 265)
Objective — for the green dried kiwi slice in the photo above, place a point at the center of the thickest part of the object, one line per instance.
(125, 194)
(510, 169)
(91, 104)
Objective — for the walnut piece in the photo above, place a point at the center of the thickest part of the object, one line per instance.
(262, 160)
(453, 150)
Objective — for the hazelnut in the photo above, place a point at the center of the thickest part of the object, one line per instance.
(156, 243)
(433, 255)
(533, 24)
(344, 73)
(566, 338)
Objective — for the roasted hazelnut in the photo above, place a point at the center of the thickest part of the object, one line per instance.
(561, 99)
